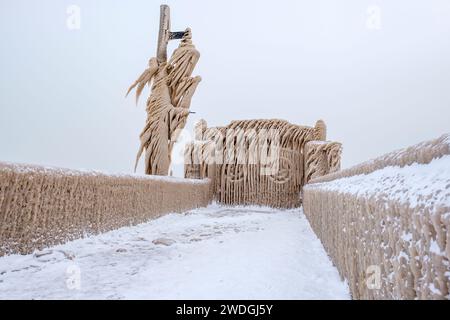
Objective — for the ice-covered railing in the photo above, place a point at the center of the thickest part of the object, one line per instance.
(43, 206)
(422, 152)
(385, 223)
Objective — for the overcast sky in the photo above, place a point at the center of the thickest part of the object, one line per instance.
(377, 72)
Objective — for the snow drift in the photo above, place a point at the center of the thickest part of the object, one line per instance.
(385, 223)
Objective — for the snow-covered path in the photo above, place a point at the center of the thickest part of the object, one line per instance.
(211, 253)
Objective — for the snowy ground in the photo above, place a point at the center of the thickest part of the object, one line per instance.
(212, 253)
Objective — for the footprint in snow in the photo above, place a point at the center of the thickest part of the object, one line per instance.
(163, 241)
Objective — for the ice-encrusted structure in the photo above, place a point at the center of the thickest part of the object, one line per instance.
(44, 206)
(172, 88)
(263, 162)
(385, 223)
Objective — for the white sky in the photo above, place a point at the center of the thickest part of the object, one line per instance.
(62, 91)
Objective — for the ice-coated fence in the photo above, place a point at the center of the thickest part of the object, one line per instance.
(42, 206)
(385, 223)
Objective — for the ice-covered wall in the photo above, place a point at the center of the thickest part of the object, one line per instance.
(42, 206)
(385, 223)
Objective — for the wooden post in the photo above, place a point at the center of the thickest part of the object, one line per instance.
(165, 34)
